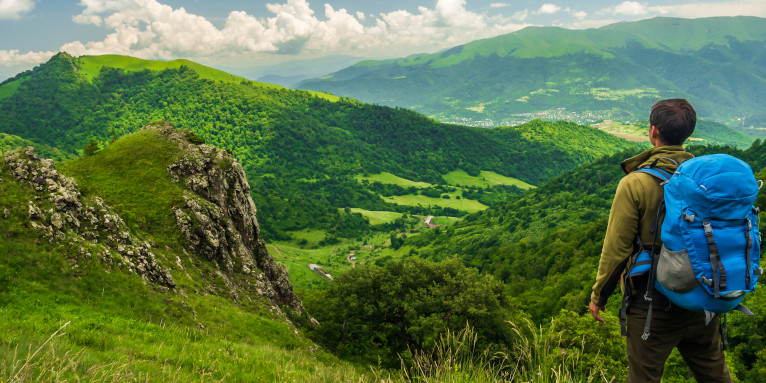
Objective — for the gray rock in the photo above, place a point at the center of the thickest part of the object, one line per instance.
(80, 221)
(219, 217)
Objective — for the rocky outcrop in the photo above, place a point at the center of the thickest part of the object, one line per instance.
(218, 218)
(60, 214)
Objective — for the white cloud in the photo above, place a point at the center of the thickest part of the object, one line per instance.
(631, 8)
(725, 8)
(14, 9)
(12, 58)
(580, 15)
(689, 10)
(548, 9)
(499, 5)
(521, 15)
(150, 29)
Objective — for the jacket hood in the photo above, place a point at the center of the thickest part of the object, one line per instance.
(667, 158)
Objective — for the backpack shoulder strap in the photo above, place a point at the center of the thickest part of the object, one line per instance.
(658, 173)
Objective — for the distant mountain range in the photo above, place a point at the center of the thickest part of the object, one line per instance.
(614, 72)
(291, 73)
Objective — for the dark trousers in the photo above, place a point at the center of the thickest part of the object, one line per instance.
(699, 345)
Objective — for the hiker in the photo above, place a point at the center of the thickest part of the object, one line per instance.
(631, 220)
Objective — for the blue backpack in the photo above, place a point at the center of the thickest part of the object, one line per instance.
(710, 240)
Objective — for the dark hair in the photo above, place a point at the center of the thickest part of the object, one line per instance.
(675, 119)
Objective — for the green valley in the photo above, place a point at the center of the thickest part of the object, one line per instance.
(387, 246)
(302, 152)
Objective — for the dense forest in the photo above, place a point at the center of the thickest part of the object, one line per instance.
(300, 151)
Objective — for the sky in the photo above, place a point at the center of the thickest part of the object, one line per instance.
(241, 33)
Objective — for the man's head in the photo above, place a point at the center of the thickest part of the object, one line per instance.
(674, 120)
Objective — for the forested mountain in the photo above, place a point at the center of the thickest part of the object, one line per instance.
(613, 72)
(301, 150)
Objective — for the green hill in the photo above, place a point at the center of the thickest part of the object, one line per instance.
(99, 281)
(614, 72)
(302, 152)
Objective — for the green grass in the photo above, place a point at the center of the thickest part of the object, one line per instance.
(312, 236)
(446, 221)
(484, 179)
(388, 178)
(68, 317)
(10, 88)
(462, 204)
(297, 260)
(131, 176)
(378, 217)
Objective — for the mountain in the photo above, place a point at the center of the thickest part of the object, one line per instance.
(144, 262)
(290, 73)
(614, 72)
(302, 151)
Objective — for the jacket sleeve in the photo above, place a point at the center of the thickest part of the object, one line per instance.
(621, 232)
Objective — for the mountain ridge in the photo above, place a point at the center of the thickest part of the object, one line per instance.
(613, 72)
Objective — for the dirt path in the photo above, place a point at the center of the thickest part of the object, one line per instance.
(276, 250)
(348, 258)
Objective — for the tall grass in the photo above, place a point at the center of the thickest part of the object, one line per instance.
(536, 356)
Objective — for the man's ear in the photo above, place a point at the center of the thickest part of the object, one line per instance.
(653, 132)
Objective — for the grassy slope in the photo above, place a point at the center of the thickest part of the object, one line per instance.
(139, 189)
(484, 179)
(118, 325)
(463, 204)
(388, 178)
(9, 89)
(91, 67)
(9, 142)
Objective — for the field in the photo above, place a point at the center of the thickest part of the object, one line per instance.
(388, 178)
(378, 217)
(463, 204)
(484, 179)
(630, 132)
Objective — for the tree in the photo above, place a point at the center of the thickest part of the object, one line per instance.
(91, 148)
(373, 312)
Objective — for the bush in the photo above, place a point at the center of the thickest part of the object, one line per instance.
(91, 148)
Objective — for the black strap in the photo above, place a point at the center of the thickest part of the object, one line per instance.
(744, 310)
(656, 223)
(655, 258)
(624, 311)
(648, 323)
(747, 252)
(719, 281)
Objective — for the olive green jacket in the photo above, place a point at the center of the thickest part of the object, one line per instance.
(633, 211)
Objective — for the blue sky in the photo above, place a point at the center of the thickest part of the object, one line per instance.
(256, 33)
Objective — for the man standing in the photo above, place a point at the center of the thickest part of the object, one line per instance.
(632, 216)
